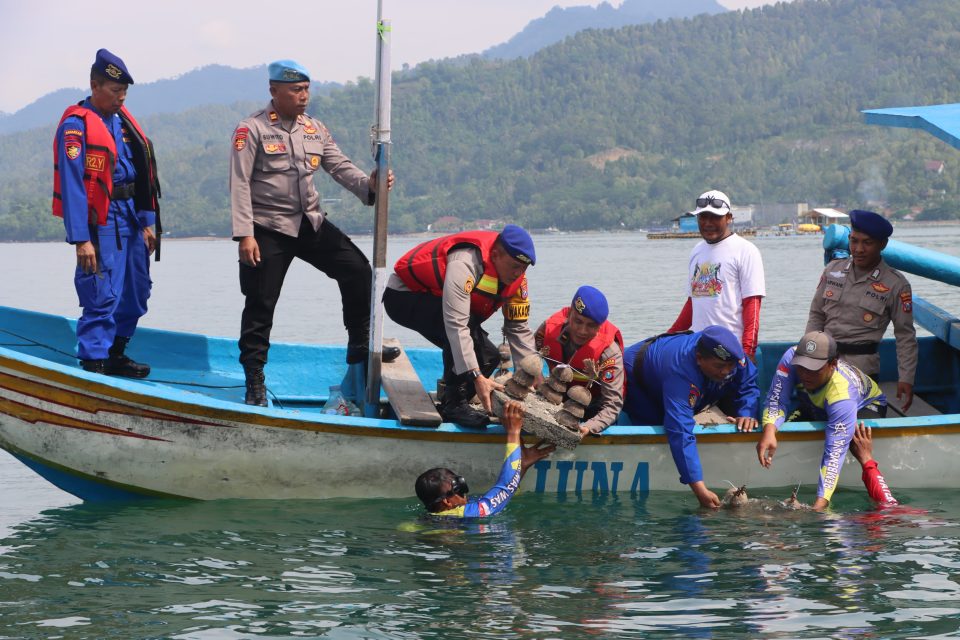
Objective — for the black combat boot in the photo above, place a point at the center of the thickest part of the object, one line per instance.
(120, 365)
(256, 386)
(94, 366)
(456, 408)
(359, 352)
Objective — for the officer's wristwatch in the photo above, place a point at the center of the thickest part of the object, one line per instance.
(473, 374)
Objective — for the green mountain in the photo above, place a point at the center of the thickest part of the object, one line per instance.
(608, 129)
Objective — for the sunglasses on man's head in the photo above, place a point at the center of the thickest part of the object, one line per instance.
(716, 203)
(457, 488)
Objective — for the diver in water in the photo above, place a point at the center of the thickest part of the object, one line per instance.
(444, 493)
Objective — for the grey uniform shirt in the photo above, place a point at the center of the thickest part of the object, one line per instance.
(271, 172)
(859, 309)
(465, 265)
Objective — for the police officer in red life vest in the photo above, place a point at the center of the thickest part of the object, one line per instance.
(445, 288)
(105, 188)
(580, 332)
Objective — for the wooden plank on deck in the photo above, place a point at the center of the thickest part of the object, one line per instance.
(405, 391)
(920, 407)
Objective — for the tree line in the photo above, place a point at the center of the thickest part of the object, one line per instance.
(608, 129)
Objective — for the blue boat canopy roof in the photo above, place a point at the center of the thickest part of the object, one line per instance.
(941, 120)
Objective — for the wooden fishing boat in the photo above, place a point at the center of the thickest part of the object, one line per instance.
(185, 432)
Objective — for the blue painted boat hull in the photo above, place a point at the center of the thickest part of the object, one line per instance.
(184, 432)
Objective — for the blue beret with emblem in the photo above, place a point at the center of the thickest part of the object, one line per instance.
(111, 67)
(288, 71)
(590, 302)
(720, 343)
(518, 244)
(872, 224)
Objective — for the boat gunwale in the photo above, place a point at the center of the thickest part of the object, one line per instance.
(209, 411)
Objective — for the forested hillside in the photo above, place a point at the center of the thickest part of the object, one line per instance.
(561, 22)
(608, 129)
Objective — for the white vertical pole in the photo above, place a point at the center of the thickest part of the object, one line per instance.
(381, 149)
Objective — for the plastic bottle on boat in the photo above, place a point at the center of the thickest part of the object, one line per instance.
(336, 403)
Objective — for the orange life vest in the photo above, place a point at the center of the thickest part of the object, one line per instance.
(424, 267)
(607, 335)
(99, 163)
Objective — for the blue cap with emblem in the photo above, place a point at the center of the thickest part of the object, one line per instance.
(590, 302)
(872, 224)
(518, 244)
(720, 343)
(288, 71)
(111, 67)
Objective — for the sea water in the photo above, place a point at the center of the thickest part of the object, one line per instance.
(579, 565)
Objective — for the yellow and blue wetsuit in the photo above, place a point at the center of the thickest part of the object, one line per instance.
(837, 402)
(494, 500)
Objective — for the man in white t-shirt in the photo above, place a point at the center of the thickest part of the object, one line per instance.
(725, 275)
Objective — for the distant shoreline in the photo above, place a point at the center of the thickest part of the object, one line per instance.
(905, 224)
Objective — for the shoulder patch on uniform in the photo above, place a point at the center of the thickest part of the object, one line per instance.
(240, 138)
(694, 395)
(468, 285)
(906, 302)
(72, 149)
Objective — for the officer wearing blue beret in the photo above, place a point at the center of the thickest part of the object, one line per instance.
(857, 299)
(277, 217)
(582, 332)
(445, 288)
(672, 377)
(105, 188)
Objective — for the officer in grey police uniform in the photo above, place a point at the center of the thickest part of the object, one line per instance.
(859, 296)
(277, 216)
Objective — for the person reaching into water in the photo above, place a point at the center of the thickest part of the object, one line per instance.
(444, 493)
(828, 389)
(672, 377)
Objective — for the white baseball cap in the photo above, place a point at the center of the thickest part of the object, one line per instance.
(713, 202)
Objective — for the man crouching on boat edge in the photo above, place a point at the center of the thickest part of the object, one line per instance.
(445, 288)
(579, 333)
(444, 493)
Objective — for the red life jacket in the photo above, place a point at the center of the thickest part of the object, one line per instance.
(99, 163)
(607, 335)
(424, 267)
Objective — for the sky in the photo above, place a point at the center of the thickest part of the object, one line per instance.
(45, 46)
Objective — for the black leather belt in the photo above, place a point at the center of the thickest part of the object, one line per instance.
(123, 191)
(857, 348)
(642, 354)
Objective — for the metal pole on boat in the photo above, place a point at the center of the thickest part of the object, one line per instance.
(381, 154)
